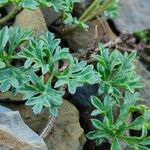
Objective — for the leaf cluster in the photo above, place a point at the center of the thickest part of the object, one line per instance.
(115, 130)
(117, 72)
(117, 93)
(43, 57)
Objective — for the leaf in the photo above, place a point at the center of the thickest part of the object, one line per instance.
(32, 4)
(77, 74)
(2, 65)
(14, 82)
(4, 36)
(17, 36)
(96, 135)
(2, 2)
(40, 95)
(5, 86)
(92, 135)
(141, 148)
(37, 108)
(97, 103)
(130, 100)
(115, 145)
(113, 9)
(97, 124)
(117, 72)
(96, 112)
(45, 68)
(54, 111)
(138, 123)
(145, 141)
(27, 63)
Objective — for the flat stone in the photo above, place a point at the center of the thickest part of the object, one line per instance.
(134, 16)
(15, 134)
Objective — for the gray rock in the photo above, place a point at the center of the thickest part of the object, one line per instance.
(134, 16)
(50, 15)
(66, 133)
(80, 39)
(15, 134)
(145, 79)
(4, 109)
(35, 122)
(79, 8)
(33, 19)
(66, 130)
(8, 96)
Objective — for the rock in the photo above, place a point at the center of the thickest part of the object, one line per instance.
(15, 134)
(35, 122)
(79, 8)
(8, 96)
(133, 16)
(33, 19)
(4, 109)
(79, 39)
(66, 133)
(85, 92)
(50, 15)
(145, 79)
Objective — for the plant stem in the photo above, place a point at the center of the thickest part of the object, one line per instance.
(99, 11)
(48, 127)
(11, 15)
(96, 8)
(89, 10)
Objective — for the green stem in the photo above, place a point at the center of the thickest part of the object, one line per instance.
(97, 11)
(11, 15)
(89, 10)
(6, 60)
(96, 8)
(14, 57)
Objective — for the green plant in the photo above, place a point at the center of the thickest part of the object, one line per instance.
(113, 9)
(63, 6)
(109, 8)
(143, 36)
(42, 56)
(98, 7)
(117, 72)
(115, 130)
(117, 92)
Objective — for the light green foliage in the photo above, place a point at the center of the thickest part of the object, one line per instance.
(76, 75)
(113, 9)
(115, 130)
(118, 80)
(41, 95)
(42, 56)
(117, 72)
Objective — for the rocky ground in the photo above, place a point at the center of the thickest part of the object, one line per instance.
(20, 128)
